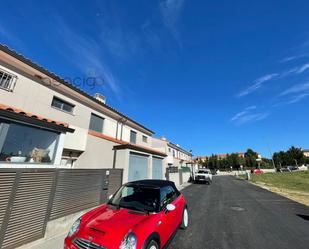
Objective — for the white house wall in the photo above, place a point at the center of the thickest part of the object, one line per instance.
(32, 96)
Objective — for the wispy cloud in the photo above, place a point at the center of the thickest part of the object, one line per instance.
(295, 57)
(257, 84)
(171, 10)
(297, 98)
(299, 88)
(85, 53)
(11, 38)
(303, 68)
(292, 95)
(249, 114)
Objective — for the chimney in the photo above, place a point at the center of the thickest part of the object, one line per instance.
(100, 97)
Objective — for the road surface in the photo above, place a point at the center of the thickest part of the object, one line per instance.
(232, 213)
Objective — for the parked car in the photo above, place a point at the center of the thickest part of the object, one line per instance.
(292, 168)
(257, 171)
(203, 175)
(141, 214)
(284, 169)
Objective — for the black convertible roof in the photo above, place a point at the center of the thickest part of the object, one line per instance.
(152, 183)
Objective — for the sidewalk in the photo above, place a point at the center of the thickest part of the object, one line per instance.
(52, 243)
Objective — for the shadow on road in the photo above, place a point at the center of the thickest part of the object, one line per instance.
(305, 217)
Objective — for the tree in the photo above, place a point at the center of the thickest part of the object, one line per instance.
(213, 162)
(233, 160)
(266, 163)
(251, 157)
(293, 156)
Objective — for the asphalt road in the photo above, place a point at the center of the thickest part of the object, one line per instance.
(232, 213)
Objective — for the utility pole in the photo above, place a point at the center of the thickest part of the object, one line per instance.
(271, 154)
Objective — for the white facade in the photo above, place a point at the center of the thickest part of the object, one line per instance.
(176, 156)
(34, 92)
(102, 137)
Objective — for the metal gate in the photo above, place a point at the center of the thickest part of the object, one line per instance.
(29, 198)
(138, 167)
(157, 164)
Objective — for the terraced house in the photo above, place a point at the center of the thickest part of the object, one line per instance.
(176, 156)
(47, 122)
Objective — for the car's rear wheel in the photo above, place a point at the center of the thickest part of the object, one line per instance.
(185, 219)
(153, 245)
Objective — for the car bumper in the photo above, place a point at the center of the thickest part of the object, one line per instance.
(202, 179)
(68, 244)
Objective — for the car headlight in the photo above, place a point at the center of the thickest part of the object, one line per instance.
(129, 241)
(74, 227)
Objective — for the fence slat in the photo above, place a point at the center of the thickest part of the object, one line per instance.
(29, 198)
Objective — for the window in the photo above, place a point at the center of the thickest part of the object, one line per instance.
(7, 80)
(167, 196)
(133, 137)
(145, 139)
(96, 123)
(173, 153)
(137, 197)
(25, 144)
(62, 105)
(169, 149)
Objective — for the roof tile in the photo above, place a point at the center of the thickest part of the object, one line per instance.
(30, 115)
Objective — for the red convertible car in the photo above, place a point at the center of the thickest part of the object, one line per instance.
(140, 215)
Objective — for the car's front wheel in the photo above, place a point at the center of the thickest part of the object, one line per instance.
(185, 219)
(153, 245)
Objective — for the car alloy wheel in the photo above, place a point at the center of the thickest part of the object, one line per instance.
(185, 219)
(153, 245)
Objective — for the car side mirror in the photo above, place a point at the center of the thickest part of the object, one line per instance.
(170, 207)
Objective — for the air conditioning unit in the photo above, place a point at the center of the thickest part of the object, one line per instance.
(100, 97)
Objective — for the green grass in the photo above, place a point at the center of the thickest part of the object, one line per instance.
(298, 181)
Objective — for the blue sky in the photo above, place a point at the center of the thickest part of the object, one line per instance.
(212, 76)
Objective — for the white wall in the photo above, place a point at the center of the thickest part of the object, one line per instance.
(98, 154)
(32, 96)
(174, 177)
(185, 176)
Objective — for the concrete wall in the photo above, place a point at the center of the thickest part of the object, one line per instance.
(98, 154)
(174, 177)
(185, 176)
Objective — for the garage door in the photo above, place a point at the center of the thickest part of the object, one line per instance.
(138, 166)
(157, 168)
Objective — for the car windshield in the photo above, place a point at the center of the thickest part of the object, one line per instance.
(202, 172)
(137, 197)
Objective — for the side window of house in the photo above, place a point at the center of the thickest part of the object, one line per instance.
(62, 105)
(7, 80)
(21, 143)
(96, 123)
(145, 139)
(133, 137)
(167, 196)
